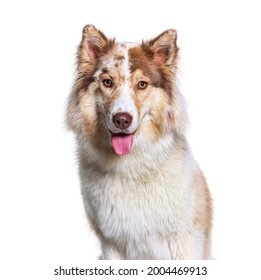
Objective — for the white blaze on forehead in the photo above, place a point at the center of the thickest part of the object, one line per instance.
(125, 49)
(125, 102)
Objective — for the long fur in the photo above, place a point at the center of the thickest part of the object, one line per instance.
(153, 202)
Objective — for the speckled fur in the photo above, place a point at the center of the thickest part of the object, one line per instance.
(152, 203)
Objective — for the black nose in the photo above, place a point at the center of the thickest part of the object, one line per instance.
(122, 120)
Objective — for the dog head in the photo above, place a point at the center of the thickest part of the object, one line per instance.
(125, 94)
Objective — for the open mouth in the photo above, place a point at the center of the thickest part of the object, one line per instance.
(122, 143)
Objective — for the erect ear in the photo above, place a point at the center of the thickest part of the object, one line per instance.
(164, 47)
(94, 43)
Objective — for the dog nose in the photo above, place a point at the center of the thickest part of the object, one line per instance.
(122, 120)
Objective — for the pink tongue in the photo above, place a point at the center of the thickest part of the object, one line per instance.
(122, 143)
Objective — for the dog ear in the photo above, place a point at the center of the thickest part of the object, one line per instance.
(94, 43)
(164, 47)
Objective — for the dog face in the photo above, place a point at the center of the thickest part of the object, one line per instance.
(125, 94)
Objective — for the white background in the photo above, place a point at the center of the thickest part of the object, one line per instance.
(43, 224)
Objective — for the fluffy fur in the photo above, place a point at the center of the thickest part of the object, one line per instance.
(143, 192)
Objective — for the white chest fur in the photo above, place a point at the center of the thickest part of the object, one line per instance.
(138, 213)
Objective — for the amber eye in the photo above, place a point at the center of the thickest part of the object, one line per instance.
(107, 83)
(142, 85)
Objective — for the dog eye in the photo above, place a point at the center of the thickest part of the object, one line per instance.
(107, 83)
(142, 85)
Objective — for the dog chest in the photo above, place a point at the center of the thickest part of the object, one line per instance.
(125, 208)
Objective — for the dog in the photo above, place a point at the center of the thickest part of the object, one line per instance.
(144, 194)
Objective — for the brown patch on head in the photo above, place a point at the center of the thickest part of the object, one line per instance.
(157, 59)
(139, 61)
(119, 57)
(105, 70)
(93, 47)
(118, 60)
